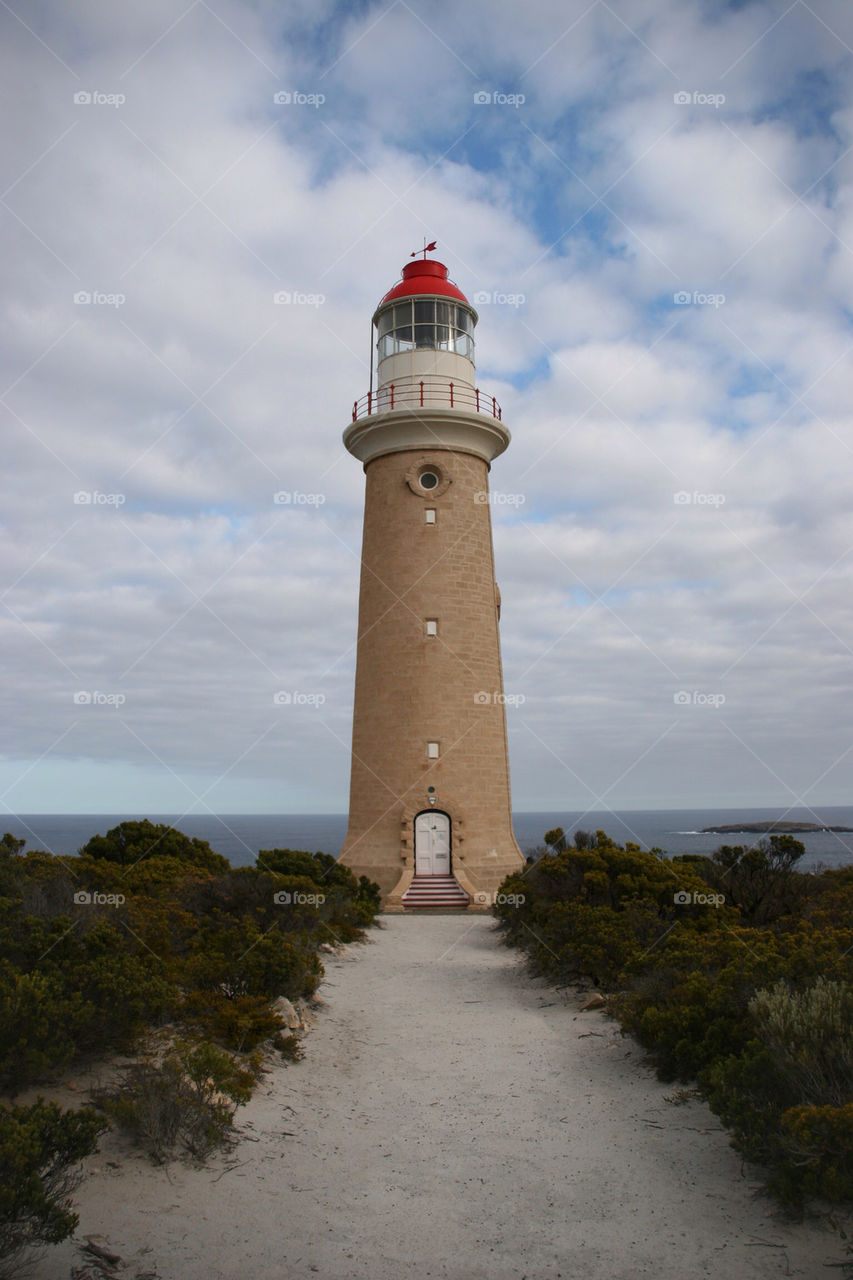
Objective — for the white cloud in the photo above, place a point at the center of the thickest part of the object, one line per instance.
(199, 397)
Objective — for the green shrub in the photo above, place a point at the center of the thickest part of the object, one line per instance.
(810, 1033)
(687, 999)
(786, 1094)
(353, 902)
(593, 909)
(321, 868)
(238, 958)
(186, 1102)
(761, 880)
(40, 1147)
(37, 1026)
(70, 987)
(818, 1144)
(130, 843)
(240, 1023)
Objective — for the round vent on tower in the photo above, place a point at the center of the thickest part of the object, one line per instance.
(428, 479)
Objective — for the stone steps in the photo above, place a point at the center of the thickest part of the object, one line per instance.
(435, 893)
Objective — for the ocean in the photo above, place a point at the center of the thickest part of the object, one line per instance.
(239, 837)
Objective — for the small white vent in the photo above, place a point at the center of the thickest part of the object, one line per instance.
(432, 626)
(429, 515)
(432, 750)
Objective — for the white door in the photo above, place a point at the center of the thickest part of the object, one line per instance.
(432, 844)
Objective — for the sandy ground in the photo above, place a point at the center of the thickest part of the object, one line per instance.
(453, 1118)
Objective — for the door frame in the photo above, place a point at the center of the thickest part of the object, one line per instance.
(444, 814)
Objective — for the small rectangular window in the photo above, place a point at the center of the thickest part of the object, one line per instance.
(432, 626)
(429, 515)
(432, 750)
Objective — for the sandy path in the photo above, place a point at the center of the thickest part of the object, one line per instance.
(452, 1119)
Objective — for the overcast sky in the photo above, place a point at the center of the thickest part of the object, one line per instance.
(673, 520)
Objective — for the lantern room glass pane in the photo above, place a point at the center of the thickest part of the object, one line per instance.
(425, 324)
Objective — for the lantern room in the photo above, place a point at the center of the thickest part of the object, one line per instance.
(425, 327)
(425, 322)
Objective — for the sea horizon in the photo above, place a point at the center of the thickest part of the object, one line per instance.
(240, 837)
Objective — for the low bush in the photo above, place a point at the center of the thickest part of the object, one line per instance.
(132, 843)
(761, 880)
(810, 1034)
(184, 1104)
(240, 1022)
(41, 1147)
(818, 1150)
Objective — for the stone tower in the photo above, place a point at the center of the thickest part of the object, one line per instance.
(430, 817)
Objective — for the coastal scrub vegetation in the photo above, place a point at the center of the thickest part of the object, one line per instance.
(41, 1147)
(186, 1102)
(734, 970)
(150, 938)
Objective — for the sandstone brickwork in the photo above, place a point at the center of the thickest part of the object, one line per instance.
(413, 688)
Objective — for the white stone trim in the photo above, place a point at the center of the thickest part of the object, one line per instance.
(400, 429)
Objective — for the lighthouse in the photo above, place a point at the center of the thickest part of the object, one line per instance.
(430, 817)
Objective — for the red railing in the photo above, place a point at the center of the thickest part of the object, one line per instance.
(422, 393)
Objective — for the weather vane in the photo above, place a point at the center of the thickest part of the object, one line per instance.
(428, 248)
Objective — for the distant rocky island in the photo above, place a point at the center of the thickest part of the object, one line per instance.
(779, 827)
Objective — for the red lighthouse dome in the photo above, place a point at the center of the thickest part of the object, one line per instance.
(424, 276)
